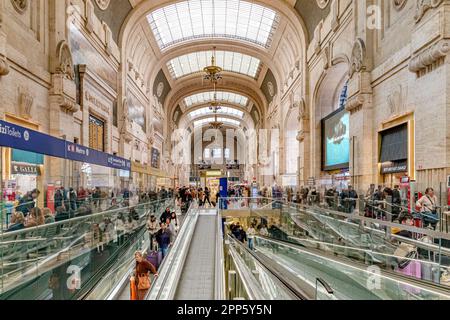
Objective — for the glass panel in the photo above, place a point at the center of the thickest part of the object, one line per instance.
(230, 61)
(205, 97)
(224, 110)
(223, 120)
(196, 19)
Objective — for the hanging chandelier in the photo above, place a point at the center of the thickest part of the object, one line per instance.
(213, 72)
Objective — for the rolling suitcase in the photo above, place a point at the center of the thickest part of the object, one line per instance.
(154, 258)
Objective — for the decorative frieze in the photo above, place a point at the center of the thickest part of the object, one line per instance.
(399, 4)
(103, 4)
(322, 3)
(20, 5)
(430, 56)
(423, 6)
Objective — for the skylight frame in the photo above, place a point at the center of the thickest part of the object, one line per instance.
(225, 121)
(230, 61)
(222, 97)
(211, 19)
(224, 111)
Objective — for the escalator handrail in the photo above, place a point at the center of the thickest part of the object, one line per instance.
(170, 270)
(219, 285)
(325, 285)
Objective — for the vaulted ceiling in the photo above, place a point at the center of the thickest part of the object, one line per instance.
(255, 40)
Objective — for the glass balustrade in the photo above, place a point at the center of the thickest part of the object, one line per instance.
(61, 258)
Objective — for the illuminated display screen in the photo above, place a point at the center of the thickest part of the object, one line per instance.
(336, 141)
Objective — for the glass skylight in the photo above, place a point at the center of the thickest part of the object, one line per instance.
(226, 97)
(224, 111)
(229, 61)
(197, 19)
(203, 122)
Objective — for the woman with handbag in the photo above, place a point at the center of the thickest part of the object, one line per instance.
(140, 283)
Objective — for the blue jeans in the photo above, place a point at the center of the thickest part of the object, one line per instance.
(164, 251)
(251, 244)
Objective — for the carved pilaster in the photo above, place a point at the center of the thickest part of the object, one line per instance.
(90, 15)
(4, 66)
(63, 93)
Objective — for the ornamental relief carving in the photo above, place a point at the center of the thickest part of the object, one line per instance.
(322, 3)
(20, 5)
(358, 60)
(423, 6)
(65, 63)
(399, 4)
(103, 4)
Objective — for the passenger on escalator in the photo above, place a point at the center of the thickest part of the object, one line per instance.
(153, 228)
(61, 214)
(235, 229)
(48, 216)
(17, 221)
(35, 218)
(171, 227)
(163, 237)
(251, 234)
(166, 215)
(141, 278)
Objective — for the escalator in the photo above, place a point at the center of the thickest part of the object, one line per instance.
(349, 280)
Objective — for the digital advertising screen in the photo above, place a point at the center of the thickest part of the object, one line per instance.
(336, 141)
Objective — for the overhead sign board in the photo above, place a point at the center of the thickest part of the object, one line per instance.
(17, 137)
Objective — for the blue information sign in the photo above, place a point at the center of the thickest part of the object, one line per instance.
(17, 137)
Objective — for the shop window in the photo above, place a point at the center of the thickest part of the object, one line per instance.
(96, 134)
(344, 96)
(394, 144)
(227, 153)
(217, 153)
(207, 154)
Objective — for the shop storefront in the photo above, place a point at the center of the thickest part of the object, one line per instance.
(393, 155)
(33, 160)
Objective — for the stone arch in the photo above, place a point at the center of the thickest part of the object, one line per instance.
(323, 104)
